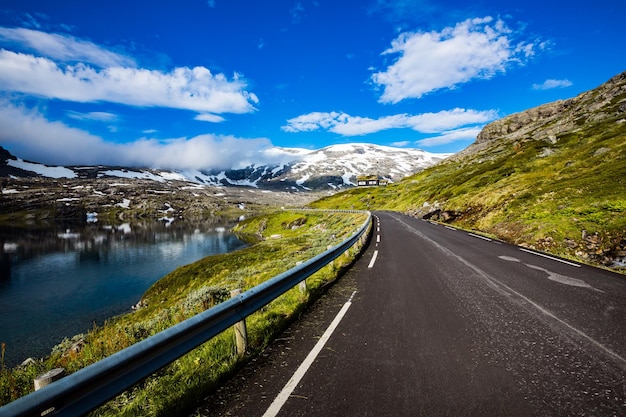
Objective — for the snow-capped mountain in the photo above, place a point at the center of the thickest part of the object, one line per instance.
(335, 167)
(332, 167)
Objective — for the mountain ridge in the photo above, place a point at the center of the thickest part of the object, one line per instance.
(330, 168)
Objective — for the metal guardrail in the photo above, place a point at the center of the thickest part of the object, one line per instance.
(90, 387)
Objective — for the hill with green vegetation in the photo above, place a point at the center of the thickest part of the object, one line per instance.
(552, 178)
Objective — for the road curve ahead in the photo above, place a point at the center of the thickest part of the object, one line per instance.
(440, 322)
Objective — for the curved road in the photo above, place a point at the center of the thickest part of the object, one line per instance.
(433, 321)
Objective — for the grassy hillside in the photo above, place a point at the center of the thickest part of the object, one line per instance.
(563, 192)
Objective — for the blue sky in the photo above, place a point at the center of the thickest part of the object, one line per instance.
(220, 83)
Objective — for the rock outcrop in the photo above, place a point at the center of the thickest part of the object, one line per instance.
(549, 121)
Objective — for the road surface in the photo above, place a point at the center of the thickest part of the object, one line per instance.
(433, 321)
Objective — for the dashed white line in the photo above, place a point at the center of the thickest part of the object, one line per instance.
(374, 256)
(377, 238)
(451, 228)
(480, 237)
(550, 257)
(283, 396)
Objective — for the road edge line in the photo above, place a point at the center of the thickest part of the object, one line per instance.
(283, 396)
(550, 257)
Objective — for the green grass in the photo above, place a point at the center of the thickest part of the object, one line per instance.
(283, 238)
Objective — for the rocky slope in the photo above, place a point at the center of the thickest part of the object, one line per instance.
(37, 200)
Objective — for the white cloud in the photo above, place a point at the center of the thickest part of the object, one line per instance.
(200, 152)
(208, 117)
(98, 116)
(401, 144)
(28, 134)
(550, 84)
(311, 121)
(63, 48)
(430, 61)
(65, 68)
(31, 136)
(356, 126)
(347, 125)
(449, 119)
(469, 133)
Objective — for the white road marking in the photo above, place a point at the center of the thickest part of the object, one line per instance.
(509, 258)
(283, 396)
(550, 257)
(451, 228)
(374, 256)
(480, 237)
(377, 238)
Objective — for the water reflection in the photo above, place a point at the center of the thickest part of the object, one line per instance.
(57, 281)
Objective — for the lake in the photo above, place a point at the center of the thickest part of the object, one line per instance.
(59, 281)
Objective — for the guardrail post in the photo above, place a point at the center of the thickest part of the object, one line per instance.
(48, 377)
(241, 333)
(302, 285)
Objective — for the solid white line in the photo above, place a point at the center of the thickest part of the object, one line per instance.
(374, 256)
(283, 396)
(480, 237)
(550, 257)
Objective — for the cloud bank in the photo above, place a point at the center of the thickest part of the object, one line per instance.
(69, 69)
(347, 125)
(430, 61)
(29, 135)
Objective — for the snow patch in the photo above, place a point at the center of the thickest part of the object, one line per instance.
(139, 175)
(44, 170)
(303, 180)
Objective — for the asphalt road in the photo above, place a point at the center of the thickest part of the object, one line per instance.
(438, 322)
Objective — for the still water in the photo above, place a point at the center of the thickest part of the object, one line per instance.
(60, 281)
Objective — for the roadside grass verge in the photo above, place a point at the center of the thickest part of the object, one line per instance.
(282, 238)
